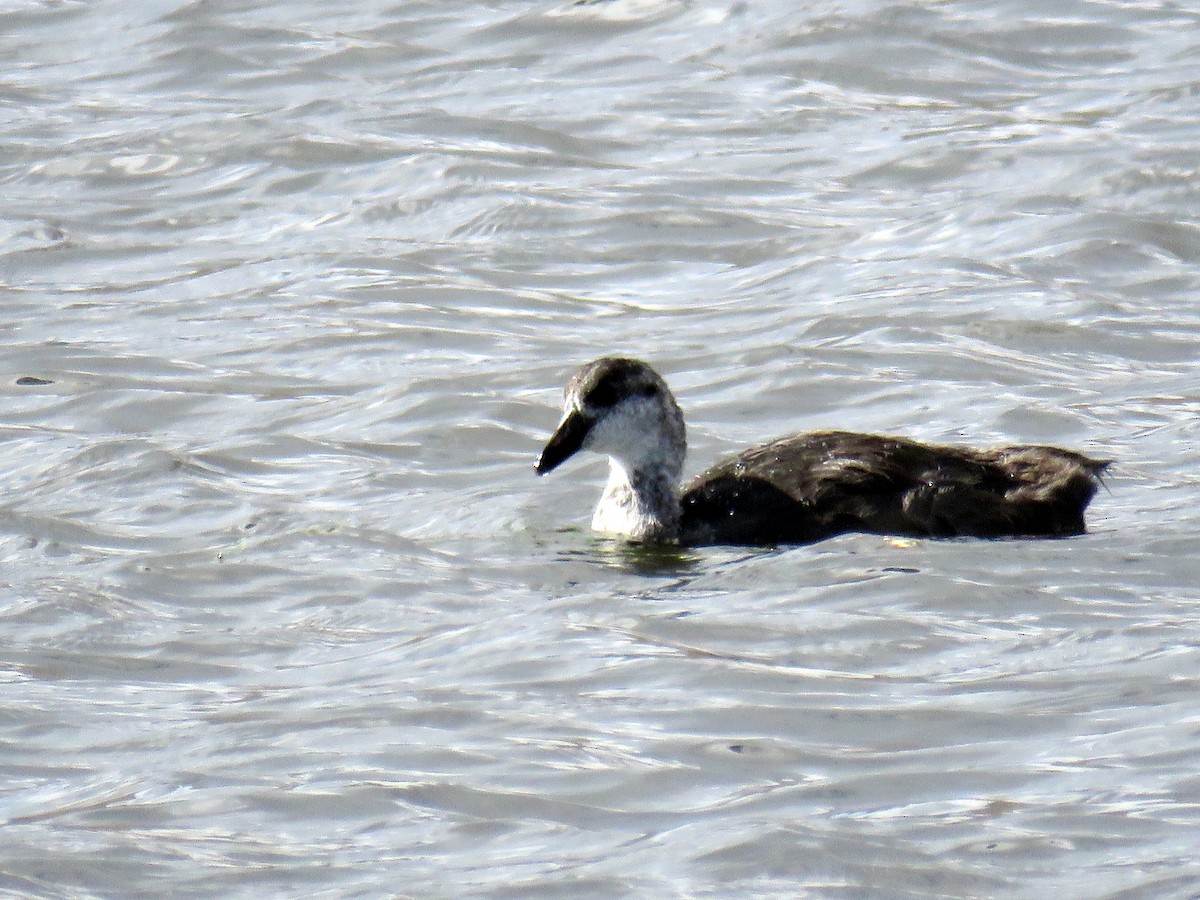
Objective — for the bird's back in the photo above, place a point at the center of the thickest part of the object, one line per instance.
(811, 486)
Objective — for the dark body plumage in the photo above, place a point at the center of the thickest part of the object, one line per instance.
(809, 486)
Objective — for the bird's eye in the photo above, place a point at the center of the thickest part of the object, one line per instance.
(615, 387)
(602, 396)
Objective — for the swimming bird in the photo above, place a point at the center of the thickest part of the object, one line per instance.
(804, 487)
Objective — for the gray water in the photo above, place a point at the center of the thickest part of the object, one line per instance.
(284, 609)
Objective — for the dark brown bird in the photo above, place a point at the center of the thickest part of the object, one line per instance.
(804, 487)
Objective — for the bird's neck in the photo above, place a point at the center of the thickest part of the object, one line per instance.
(641, 503)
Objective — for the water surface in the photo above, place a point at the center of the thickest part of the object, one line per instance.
(285, 610)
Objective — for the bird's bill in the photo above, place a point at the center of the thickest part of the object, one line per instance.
(566, 441)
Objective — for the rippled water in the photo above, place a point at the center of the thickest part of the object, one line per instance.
(285, 610)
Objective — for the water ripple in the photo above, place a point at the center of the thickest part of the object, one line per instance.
(290, 294)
